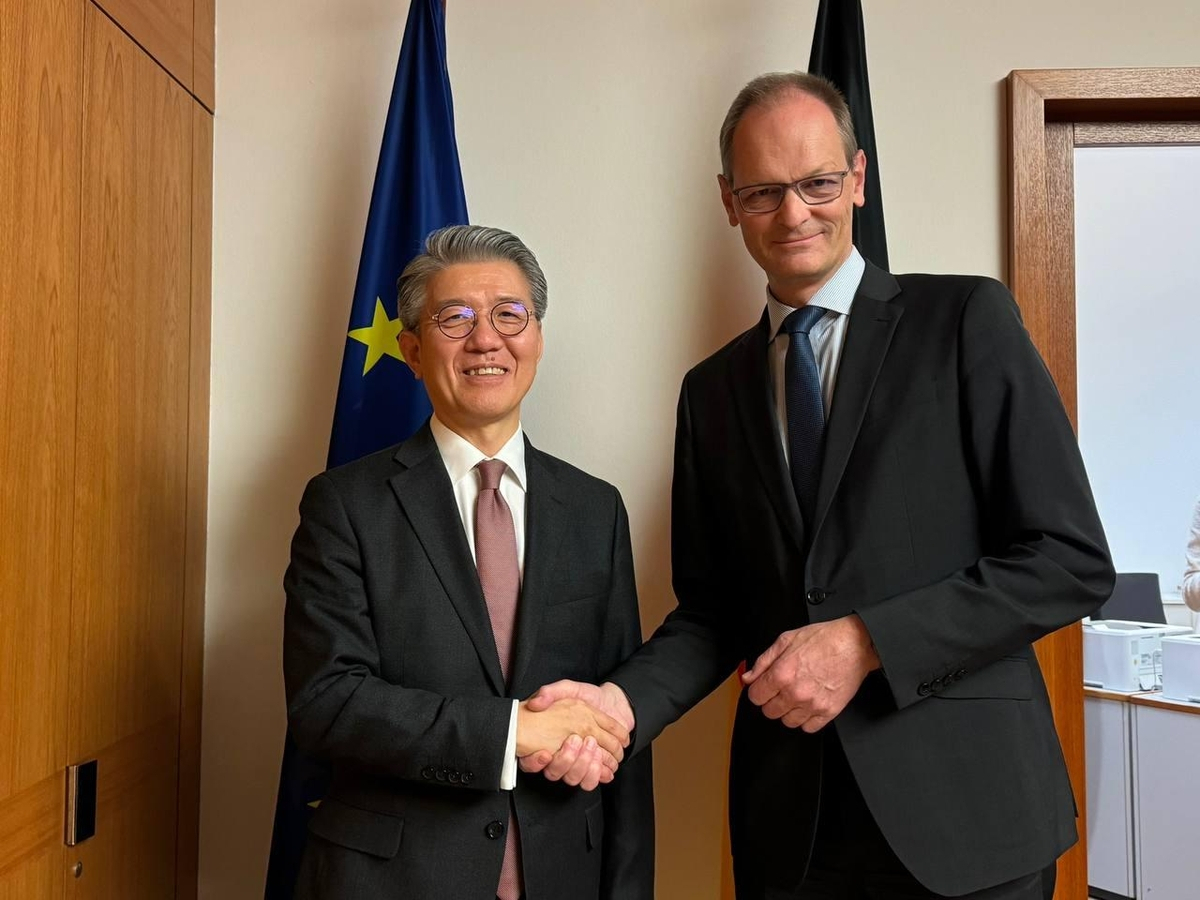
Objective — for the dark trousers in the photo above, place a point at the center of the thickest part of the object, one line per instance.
(851, 859)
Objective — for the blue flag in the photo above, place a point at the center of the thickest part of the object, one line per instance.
(418, 188)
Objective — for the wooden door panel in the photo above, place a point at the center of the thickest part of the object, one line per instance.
(131, 471)
(132, 855)
(41, 45)
(192, 687)
(31, 837)
(39, 878)
(204, 78)
(163, 27)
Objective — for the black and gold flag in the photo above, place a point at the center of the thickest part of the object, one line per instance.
(839, 52)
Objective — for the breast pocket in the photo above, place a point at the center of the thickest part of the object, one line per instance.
(584, 586)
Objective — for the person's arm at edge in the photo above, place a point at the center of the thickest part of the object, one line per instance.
(1191, 575)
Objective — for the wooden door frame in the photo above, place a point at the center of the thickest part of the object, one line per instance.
(1043, 107)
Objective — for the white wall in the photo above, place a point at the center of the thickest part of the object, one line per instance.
(1138, 326)
(589, 129)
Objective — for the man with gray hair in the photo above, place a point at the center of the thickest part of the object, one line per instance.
(436, 581)
(878, 506)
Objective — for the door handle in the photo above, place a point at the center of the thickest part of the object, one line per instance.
(81, 802)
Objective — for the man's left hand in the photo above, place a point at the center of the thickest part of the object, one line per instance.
(808, 675)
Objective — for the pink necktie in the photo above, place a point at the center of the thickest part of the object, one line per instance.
(500, 578)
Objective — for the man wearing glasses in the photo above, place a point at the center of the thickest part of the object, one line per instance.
(433, 582)
(878, 506)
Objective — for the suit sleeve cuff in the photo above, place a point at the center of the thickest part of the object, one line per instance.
(508, 772)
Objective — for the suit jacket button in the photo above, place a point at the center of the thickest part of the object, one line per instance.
(936, 685)
(468, 777)
(441, 775)
(494, 830)
(923, 688)
(454, 776)
(816, 596)
(960, 674)
(427, 773)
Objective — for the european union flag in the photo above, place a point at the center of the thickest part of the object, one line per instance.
(418, 188)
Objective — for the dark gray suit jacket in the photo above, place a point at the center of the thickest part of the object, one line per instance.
(954, 516)
(392, 675)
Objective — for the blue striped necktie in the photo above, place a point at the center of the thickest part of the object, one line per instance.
(805, 409)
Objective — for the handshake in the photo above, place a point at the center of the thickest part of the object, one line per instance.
(574, 732)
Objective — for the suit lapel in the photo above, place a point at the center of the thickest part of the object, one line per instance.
(545, 524)
(752, 391)
(424, 492)
(873, 321)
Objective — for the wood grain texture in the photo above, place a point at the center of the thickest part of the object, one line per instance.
(131, 472)
(132, 856)
(133, 396)
(1055, 334)
(31, 832)
(1043, 105)
(1039, 176)
(44, 879)
(1102, 694)
(1116, 95)
(162, 27)
(1095, 86)
(41, 45)
(191, 689)
(1107, 134)
(204, 54)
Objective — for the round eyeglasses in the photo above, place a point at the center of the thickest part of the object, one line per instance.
(814, 190)
(458, 320)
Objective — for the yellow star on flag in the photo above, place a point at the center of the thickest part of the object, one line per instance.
(381, 337)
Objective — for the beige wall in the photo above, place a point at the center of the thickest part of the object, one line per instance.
(589, 129)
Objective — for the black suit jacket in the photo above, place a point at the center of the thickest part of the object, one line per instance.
(954, 516)
(392, 675)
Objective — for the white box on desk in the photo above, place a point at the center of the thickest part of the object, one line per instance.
(1181, 667)
(1125, 656)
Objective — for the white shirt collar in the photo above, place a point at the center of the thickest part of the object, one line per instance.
(461, 457)
(836, 295)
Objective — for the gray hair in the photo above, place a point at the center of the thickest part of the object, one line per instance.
(465, 244)
(774, 87)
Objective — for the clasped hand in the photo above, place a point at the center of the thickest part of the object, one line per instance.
(552, 724)
(579, 758)
(808, 675)
(805, 679)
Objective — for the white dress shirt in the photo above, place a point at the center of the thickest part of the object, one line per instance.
(460, 458)
(828, 337)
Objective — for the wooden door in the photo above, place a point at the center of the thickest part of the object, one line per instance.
(1043, 107)
(131, 465)
(40, 57)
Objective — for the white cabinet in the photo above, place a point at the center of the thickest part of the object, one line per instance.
(1110, 811)
(1166, 744)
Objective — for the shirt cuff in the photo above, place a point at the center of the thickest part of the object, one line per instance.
(508, 773)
